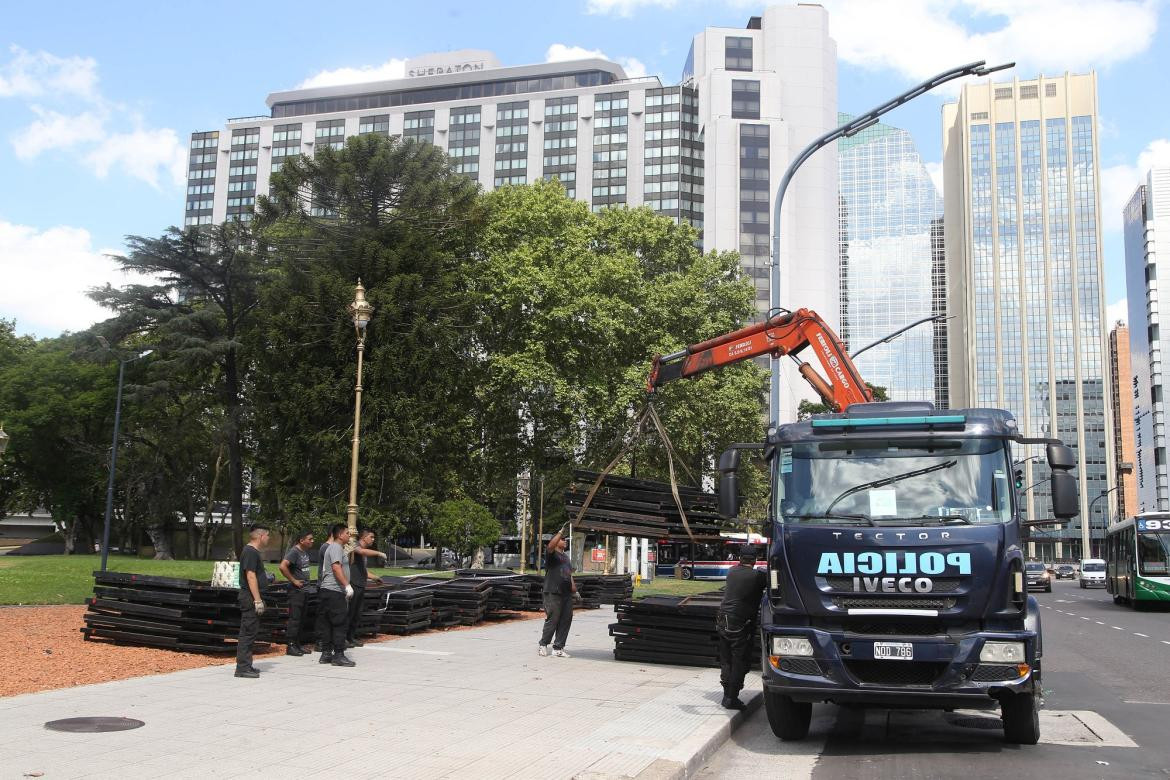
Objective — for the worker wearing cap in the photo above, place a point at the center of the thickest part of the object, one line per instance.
(559, 590)
(736, 624)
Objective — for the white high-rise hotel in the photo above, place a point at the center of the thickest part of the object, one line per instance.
(709, 150)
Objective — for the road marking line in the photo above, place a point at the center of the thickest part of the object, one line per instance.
(1119, 628)
(1164, 703)
(1098, 622)
(1165, 642)
(1146, 636)
(1084, 618)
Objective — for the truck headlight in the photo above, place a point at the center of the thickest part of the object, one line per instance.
(791, 645)
(1002, 652)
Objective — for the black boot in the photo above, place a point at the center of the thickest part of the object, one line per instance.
(249, 673)
(326, 657)
(341, 660)
(294, 649)
(732, 703)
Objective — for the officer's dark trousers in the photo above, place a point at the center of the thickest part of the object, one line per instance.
(296, 614)
(355, 612)
(735, 652)
(249, 627)
(558, 611)
(332, 617)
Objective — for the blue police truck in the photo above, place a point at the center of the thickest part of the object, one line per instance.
(896, 568)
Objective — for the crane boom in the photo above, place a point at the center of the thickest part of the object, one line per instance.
(781, 334)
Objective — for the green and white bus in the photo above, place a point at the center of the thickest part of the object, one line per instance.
(1137, 556)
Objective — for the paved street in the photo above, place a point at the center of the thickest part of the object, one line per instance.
(476, 704)
(1105, 681)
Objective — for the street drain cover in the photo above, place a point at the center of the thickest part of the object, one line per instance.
(93, 725)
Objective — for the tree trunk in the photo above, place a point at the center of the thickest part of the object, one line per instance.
(162, 543)
(208, 537)
(70, 537)
(235, 449)
(190, 514)
(477, 558)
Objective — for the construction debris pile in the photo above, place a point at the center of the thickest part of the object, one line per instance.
(676, 630)
(640, 507)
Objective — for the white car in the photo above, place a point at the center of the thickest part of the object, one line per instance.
(1092, 573)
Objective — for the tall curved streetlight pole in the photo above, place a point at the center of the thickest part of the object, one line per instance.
(844, 131)
(1087, 530)
(122, 361)
(361, 310)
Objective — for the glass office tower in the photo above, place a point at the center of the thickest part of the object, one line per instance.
(1025, 279)
(888, 204)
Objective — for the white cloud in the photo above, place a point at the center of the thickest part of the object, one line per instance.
(1118, 182)
(1115, 312)
(624, 7)
(46, 274)
(391, 69)
(935, 169)
(39, 74)
(919, 38)
(57, 131)
(560, 52)
(141, 154)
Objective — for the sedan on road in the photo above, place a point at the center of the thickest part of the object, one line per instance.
(1066, 571)
(1037, 576)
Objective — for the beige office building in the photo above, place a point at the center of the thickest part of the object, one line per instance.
(1121, 379)
(1025, 282)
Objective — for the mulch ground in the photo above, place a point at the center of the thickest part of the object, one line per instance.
(42, 648)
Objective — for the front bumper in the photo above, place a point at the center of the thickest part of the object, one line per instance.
(1039, 584)
(1093, 583)
(945, 673)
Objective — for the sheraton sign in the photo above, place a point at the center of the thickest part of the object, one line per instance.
(451, 62)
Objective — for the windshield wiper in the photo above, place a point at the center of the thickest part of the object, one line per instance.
(939, 519)
(946, 464)
(833, 516)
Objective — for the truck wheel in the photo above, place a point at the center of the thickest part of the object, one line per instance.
(1021, 718)
(688, 573)
(789, 719)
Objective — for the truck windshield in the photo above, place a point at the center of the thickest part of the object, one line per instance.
(894, 482)
(1154, 552)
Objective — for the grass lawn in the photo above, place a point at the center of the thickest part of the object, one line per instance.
(68, 579)
(667, 586)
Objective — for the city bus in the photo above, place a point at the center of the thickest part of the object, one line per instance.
(708, 560)
(1137, 559)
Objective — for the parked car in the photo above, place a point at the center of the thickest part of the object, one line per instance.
(1037, 576)
(1092, 573)
(1066, 571)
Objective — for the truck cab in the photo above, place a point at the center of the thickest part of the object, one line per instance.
(896, 569)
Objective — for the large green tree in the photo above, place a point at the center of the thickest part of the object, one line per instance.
(574, 307)
(394, 214)
(194, 312)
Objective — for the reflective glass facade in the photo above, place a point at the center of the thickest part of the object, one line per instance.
(888, 264)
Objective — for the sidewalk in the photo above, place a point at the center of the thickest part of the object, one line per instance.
(478, 703)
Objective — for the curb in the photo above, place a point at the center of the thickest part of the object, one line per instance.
(666, 769)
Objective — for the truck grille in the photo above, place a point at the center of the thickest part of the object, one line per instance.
(941, 585)
(857, 602)
(801, 666)
(895, 672)
(915, 628)
(994, 673)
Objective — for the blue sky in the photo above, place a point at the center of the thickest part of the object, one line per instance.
(97, 100)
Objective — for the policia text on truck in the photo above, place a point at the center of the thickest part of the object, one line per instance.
(895, 572)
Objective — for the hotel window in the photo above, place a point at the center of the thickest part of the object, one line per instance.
(738, 53)
(745, 99)
(379, 124)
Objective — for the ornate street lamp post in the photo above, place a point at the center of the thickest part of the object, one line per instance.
(525, 486)
(361, 311)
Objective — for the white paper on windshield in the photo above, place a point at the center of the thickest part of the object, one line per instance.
(883, 502)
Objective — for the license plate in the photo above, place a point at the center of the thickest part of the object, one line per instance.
(894, 651)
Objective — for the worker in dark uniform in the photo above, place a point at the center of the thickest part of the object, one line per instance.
(736, 624)
(321, 629)
(359, 576)
(253, 582)
(333, 593)
(295, 568)
(559, 590)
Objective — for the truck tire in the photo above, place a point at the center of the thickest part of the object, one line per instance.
(1021, 718)
(789, 719)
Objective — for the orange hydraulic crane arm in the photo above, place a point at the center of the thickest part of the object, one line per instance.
(782, 334)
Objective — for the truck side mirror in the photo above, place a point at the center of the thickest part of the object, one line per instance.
(1065, 501)
(729, 484)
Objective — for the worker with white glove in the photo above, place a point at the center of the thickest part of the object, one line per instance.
(252, 582)
(332, 596)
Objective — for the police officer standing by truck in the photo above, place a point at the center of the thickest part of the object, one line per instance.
(295, 568)
(736, 624)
